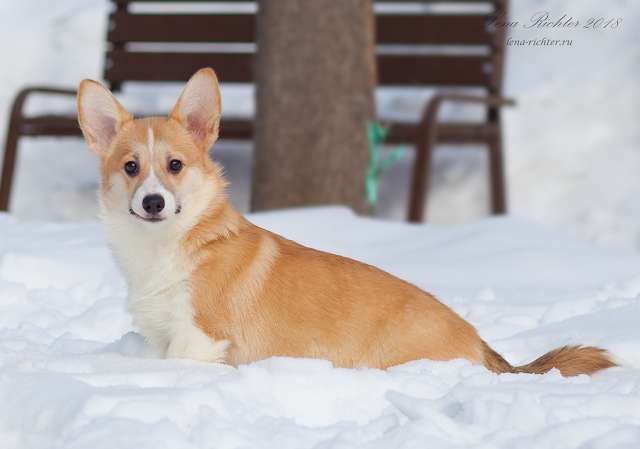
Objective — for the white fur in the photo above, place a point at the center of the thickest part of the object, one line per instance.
(153, 185)
(158, 275)
(150, 140)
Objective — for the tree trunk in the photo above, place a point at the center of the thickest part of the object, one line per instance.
(315, 76)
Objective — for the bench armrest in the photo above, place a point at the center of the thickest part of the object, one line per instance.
(489, 100)
(21, 98)
(429, 117)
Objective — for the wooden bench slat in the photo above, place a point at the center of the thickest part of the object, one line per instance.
(400, 133)
(125, 2)
(436, 70)
(50, 125)
(393, 70)
(236, 128)
(150, 66)
(432, 29)
(67, 125)
(242, 129)
(128, 2)
(182, 27)
(453, 29)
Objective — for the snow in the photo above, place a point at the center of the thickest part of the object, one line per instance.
(74, 373)
(571, 142)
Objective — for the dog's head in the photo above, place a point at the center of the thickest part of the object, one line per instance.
(155, 170)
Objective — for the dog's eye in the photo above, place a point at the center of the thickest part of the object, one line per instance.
(175, 166)
(131, 168)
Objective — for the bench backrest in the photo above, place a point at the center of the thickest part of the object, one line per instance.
(421, 47)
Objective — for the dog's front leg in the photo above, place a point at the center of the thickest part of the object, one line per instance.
(190, 342)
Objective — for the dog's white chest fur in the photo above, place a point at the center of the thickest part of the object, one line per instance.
(158, 276)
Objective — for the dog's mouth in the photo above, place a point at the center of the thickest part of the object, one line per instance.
(147, 219)
(153, 219)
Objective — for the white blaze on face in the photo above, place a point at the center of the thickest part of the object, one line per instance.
(150, 141)
(152, 186)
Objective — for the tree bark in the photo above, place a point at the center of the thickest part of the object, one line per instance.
(315, 75)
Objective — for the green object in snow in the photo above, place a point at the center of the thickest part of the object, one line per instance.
(376, 134)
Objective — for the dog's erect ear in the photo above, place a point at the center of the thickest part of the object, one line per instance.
(198, 108)
(100, 115)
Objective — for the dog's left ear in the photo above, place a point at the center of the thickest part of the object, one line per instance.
(198, 108)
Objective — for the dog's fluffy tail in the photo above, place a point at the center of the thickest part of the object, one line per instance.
(569, 360)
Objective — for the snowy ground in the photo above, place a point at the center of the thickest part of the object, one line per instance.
(74, 374)
(573, 143)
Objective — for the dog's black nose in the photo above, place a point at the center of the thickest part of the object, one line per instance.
(153, 204)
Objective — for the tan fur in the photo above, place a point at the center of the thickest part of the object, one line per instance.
(271, 296)
(268, 296)
(569, 360)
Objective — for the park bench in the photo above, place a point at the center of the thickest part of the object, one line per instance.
(458, 49)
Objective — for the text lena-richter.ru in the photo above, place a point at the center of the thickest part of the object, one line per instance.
(542, 42)
(544, 20)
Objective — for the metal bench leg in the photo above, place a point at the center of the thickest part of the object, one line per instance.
(420, 184)
(8, 164)
(496, 177)
(425, 146)
(422, 173)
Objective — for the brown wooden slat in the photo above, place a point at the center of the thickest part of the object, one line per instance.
(181, 27)
(453, 29)
(433, 70)
(236, 128)
(238, 67)
(150, 66)
(447, 133)
(242, 129)
(50, 125)
(466, 133)
(422, 1)
(60, 125)
(401, 132)
(124, 2)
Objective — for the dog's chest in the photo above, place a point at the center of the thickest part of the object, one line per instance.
(162, 308)
(160, 297)
(160, 294)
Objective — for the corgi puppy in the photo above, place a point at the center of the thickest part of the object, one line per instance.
(206, 284)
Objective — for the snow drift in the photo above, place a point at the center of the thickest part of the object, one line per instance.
(75, 374)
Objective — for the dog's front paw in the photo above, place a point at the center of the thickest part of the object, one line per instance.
(196, 345)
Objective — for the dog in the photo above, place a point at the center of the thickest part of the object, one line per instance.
(206, 284)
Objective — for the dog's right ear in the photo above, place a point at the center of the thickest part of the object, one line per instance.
(100, 116)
